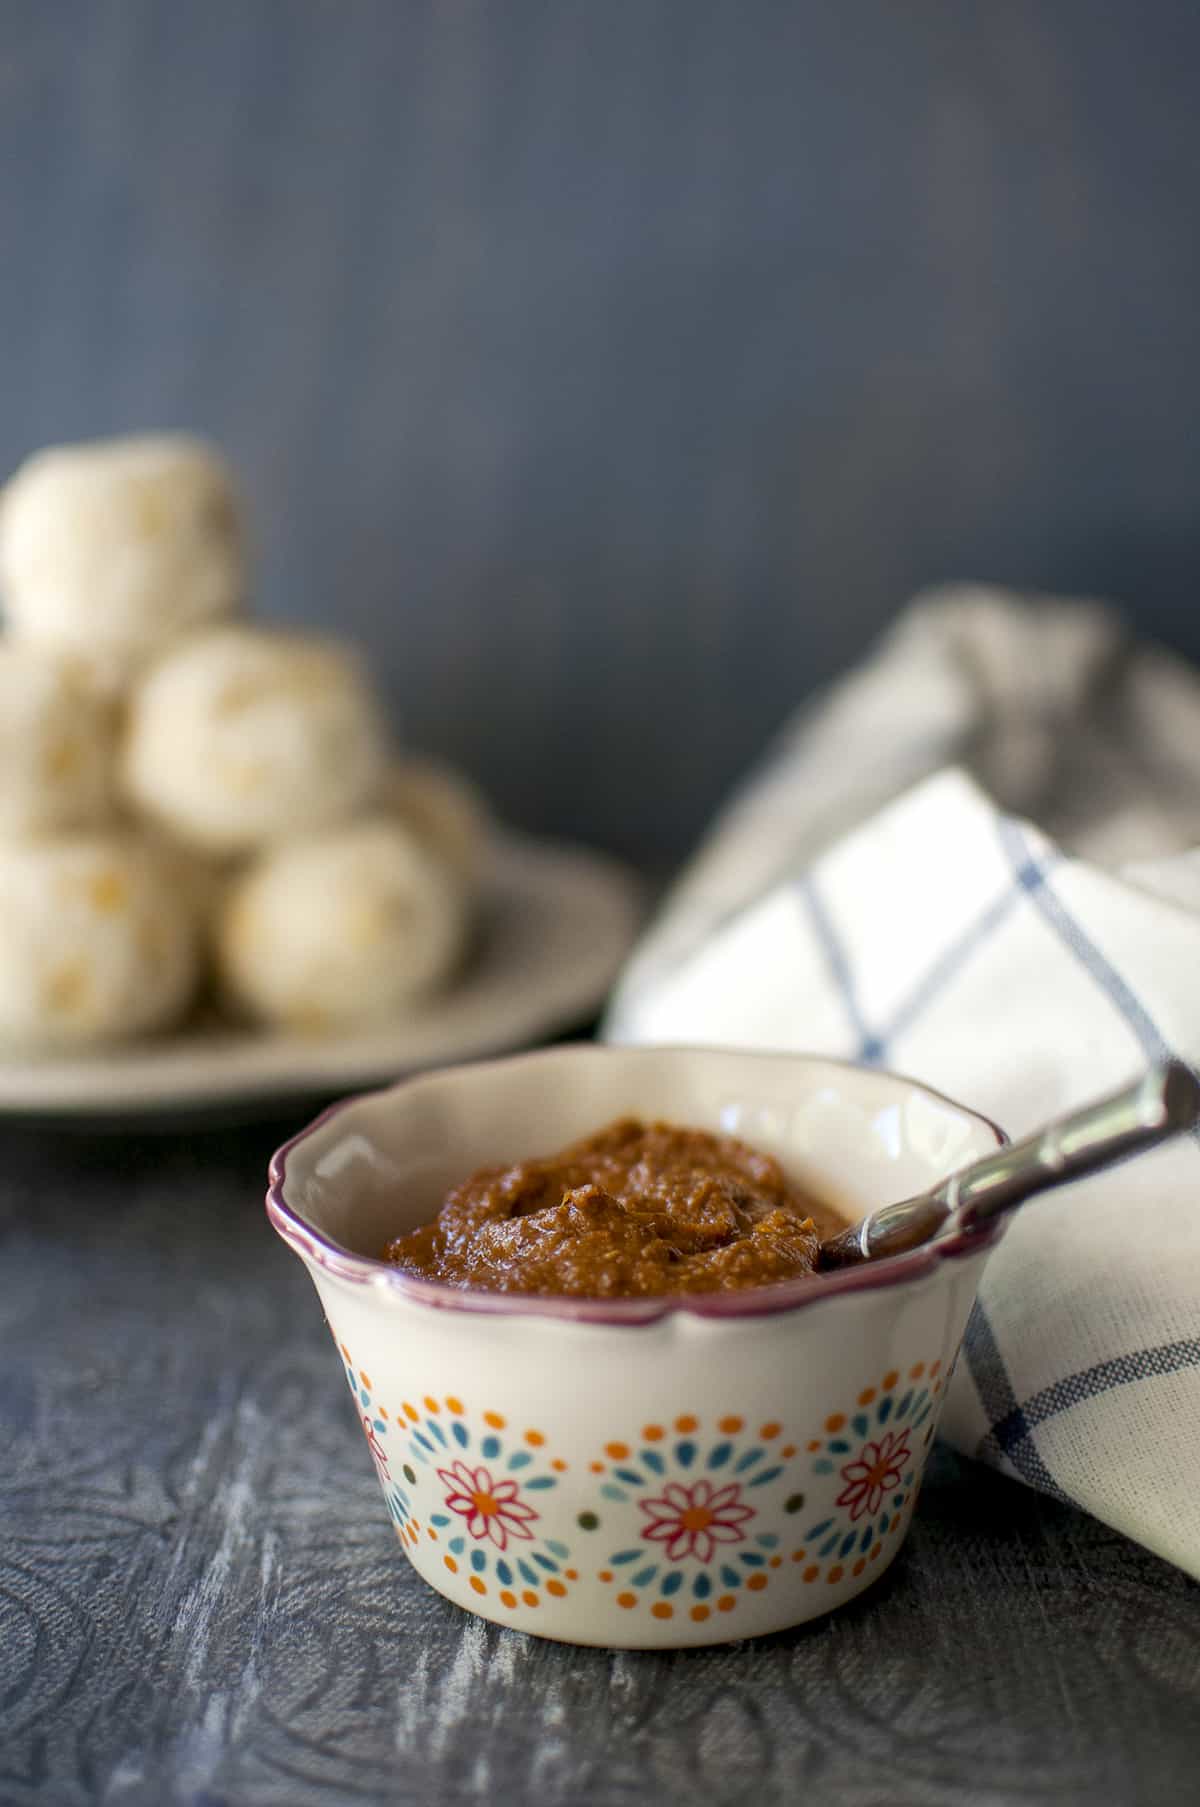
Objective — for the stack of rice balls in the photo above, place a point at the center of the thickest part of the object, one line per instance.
(187, 798)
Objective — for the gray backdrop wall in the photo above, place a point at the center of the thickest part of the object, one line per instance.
(614, 369)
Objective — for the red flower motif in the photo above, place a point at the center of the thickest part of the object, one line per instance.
(878, 1469)
(491, 1508)
(376, 1448)
(692, 1521)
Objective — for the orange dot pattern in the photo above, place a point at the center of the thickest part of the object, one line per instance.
(836, 1422)
(685, 1424)
(409, 1414)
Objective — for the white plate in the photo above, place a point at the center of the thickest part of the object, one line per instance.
(555, 924)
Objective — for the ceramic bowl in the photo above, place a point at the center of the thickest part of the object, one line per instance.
(648, 1472)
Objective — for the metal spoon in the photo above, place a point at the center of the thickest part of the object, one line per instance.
(1161, 1104)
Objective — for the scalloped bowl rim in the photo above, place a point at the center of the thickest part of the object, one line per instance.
(315, 1245)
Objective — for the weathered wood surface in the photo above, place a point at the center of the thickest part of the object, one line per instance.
(201, 1600)
(614, 368)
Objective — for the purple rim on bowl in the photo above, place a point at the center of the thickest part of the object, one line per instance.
(750, 1302)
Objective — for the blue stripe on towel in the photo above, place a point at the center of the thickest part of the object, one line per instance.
(1085, 950)
(1154, 1043)
(870, 1047)
(873, 1045)
(1074, 1389)
(948, 964)
(995, 1390)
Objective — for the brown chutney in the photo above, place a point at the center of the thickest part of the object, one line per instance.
(638, 1209)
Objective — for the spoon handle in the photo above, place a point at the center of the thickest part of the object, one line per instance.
(1160, 1104)
(1163, 1102)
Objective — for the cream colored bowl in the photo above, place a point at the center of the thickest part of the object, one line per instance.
(640, 1473)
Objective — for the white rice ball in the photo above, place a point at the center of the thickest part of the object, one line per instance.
(442, 808)
(112, 548)
(344, 929)
(99, 942)
(241, 737)
(56, 744)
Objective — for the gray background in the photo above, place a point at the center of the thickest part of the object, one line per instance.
(615, 370)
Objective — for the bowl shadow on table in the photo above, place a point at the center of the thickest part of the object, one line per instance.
(984, 1644)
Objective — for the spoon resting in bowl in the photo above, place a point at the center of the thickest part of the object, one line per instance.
(1163, 1103)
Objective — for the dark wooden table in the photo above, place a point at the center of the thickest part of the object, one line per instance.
(201, 1600)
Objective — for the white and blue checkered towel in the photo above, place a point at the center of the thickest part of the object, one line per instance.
(946, 937)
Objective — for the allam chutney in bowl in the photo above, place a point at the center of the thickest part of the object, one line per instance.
(607, 1396)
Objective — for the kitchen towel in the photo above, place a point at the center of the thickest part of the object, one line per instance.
(880, 891)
